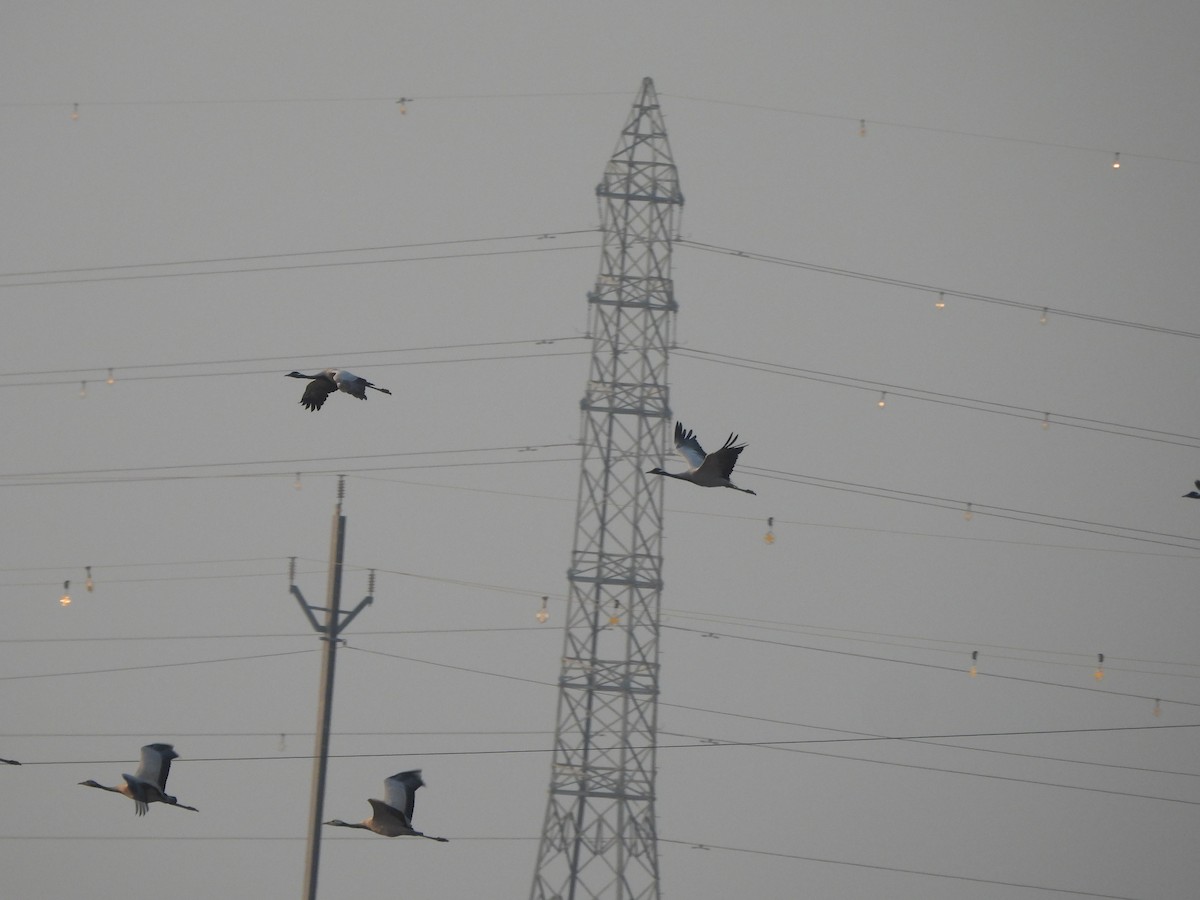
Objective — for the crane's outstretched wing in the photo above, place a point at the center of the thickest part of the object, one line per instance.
(156, 764)
(316, 392)
(723, 460)
(400, 791)
(687, 446)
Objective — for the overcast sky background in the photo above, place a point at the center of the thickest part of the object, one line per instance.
(240, 195)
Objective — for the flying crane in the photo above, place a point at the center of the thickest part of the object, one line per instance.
(149, 784)
(705, 469)
(327, 381)
(392, 816)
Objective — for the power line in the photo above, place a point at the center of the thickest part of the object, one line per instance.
(945, 399)
(711, 743)
(959, 647)
(338, 470)
(293, 254)
(956, 670)
(926, 665)
(152, 473)
(938, 743)
(787, 746)
(239, 373)
(283, 268)
(126, 474)
(541, 733)
(170, 665)
(276, 734)
(1123, 532)
(262, 101)
(690, 844)
(233, 637)
(922, 872)
(291, 358)
(284, 462)
(793, 745)
(933, 289)
(701, 743)
(860, 123)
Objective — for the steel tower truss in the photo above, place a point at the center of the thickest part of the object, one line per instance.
(599, 835)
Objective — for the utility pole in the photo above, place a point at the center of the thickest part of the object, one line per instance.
(599, 836)
(330, 631)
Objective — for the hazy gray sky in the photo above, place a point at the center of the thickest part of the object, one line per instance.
(239, 194)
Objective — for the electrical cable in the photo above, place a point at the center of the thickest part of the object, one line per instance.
(1122, 532)
(133, 367)
(926, 396)
(293, 267)
(170, 665)
(922, 872)
(932, 289)
(258, 257)
(860, 122)
(925, 665)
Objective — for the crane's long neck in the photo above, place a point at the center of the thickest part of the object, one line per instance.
(680, 475)
(104, 787)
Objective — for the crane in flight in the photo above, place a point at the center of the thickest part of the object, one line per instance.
(327, 381)
(392, 816)
(705, 469)
(149, 784)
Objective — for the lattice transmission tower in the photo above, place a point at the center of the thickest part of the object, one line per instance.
(599, 838)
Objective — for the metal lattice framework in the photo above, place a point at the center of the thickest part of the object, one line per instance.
(599, 835)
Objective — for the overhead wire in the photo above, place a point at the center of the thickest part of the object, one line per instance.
(263, 101)
(895, 869)
(857, 121)
(940, 742)
(170, 665)
(1087, 660)
(131, 474)
(704, 743)
(709, 742)
(46, 282)
(205, 363)
(911, 641)
(660, 839)
(243, 372)
(291, 254)
(407, 733)
(787, 746)
(936, 666)
(946, 399)
(1122, 532)
(284, 467)
(860, 121)
(847, 653)
(934, 289)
